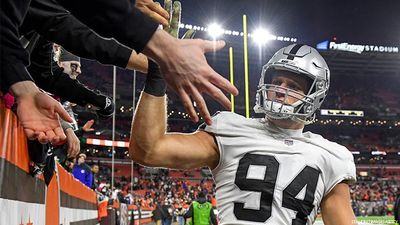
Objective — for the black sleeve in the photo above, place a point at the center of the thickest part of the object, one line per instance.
(189, 213)
(213, 217)
(114, 18)
(118, 19)
(56, 24)
(79, 132)
(71, 90)
(55, 81)
(13, 57)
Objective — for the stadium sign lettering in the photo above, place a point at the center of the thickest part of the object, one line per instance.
(362, 48)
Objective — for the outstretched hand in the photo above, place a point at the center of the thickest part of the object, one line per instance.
(191, 76)
(38, 113)
(185, 67)
(88, 126)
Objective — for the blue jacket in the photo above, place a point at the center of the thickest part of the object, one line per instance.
(82, 173)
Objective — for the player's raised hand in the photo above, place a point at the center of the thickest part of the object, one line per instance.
(185, 67)
(191, 76)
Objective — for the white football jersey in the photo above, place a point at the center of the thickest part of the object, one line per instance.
(268, 175)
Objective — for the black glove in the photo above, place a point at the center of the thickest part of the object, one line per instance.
(106, 109)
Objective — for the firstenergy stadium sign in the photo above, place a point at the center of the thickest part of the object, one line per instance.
(356, 48)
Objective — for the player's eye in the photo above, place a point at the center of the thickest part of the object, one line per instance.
(294, 87)
(276, 82)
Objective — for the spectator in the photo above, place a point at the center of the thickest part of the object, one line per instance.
(119, 19)
(201, 212)
(71, 66)
(157, 215)
(167, 212)
(95, 172)
(179, 212)
(81, 171)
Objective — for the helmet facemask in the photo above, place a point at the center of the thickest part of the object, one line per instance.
(304, 107)
(300, 61)
(274, 99)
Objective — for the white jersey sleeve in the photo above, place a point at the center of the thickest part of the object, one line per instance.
(340, 165)
(230, 129)
(225, 124)
(342, 169)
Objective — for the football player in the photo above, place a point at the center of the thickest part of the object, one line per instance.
(267, 171)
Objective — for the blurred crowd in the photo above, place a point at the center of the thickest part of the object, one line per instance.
(374, 197)
(174, 191)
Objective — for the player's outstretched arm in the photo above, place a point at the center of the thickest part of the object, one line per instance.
(190, 76)
(150, 145)
(336, 208)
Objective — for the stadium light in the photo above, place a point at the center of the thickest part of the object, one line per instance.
(378, 153)
(215, 30)
(261, 36)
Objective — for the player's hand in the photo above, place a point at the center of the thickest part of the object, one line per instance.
(38, 113)
(88, 126)
(74, 145)
(186, 69)
(139, 61)
(191, 76)
(187, 72)
(153, 10)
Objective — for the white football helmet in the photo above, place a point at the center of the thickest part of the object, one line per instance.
(305, 61)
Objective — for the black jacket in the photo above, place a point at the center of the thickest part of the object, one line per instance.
(157, 214)
(118, 19)
(51, 78)
(57, 25)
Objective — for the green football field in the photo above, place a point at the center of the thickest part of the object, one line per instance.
(370, 220)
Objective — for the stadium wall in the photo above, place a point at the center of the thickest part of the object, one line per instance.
(25, 200)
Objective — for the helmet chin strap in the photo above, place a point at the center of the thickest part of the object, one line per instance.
(280, 111)
(292, 118)
(277, 107)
